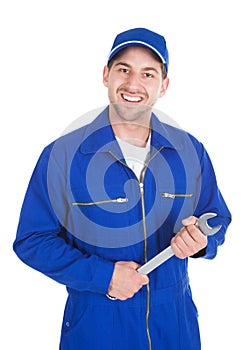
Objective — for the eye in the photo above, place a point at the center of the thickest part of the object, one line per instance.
(148, 75)
(124, 70)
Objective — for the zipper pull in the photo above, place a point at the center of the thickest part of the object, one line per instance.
(121, 200)
(141, 187)
(167, 195)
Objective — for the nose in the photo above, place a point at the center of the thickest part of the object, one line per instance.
(133, 82)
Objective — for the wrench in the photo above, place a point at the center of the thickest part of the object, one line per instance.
(167, 253)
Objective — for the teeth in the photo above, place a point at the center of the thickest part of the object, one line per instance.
(132, 98)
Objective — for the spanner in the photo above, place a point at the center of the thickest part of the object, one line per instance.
(167, 253)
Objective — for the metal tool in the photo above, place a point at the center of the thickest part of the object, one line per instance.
(167, 253)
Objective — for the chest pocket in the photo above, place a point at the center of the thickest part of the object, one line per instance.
(102, 206)
(103, 218)
(176, 195)
(101, 202)
(178, 205)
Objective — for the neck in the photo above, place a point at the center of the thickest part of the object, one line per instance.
(134, 134)
(131, 124)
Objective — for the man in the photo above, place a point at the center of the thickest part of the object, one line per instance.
(107, 197)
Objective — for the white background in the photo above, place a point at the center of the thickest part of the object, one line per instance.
(52, 56)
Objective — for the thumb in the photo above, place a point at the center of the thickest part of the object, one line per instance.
(191, 220)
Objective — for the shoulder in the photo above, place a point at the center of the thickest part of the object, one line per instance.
(178, 138)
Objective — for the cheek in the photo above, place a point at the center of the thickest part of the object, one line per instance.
(154, 91)
(112, 82)
(112, 91)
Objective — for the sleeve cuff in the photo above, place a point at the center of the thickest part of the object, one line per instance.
(200, 254)
(102, 276)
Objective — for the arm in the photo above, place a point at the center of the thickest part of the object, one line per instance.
(190, 241)
(211, 200)
(41, 242)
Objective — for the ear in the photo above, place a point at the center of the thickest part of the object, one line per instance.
(105, 76)
(164, 87)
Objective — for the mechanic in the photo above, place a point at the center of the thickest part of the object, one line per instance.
(108, 196)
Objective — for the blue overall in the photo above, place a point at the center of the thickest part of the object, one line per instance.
(85, 209)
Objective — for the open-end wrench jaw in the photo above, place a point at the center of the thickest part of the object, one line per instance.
(168, 252)
(203, 225)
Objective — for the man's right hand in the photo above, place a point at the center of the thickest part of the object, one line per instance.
(126, 281)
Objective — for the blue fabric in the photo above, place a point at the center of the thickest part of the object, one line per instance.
(64, 235)
(141, 37)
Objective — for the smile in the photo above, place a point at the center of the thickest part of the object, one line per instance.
(131, 98)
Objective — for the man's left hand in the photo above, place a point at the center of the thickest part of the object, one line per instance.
(189, 240)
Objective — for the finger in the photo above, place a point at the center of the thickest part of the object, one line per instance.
(183, 240)
(185, 244)
(178, 251)
(191, 227)
(191, 220)
(133, 265)
(196, 234)
(145, 280)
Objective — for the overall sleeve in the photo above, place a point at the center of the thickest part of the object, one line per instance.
(40, 241)
(211, 200)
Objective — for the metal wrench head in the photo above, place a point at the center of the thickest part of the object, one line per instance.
(203, 224)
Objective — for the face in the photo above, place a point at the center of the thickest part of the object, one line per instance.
(135, 79)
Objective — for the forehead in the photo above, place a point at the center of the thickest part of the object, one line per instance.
(137, 54)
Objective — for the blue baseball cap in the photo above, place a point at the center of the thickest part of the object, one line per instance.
(141, 37)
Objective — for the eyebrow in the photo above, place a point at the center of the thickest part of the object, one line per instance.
(120, 63)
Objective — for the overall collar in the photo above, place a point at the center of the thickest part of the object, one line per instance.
(99, 136)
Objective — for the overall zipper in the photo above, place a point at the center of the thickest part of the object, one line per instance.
(141, 186)
(117, 200)
(176, 195)
(145, 260)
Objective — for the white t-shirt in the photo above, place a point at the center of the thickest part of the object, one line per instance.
(134, 156)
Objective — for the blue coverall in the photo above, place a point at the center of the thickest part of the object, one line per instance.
(85, 209)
